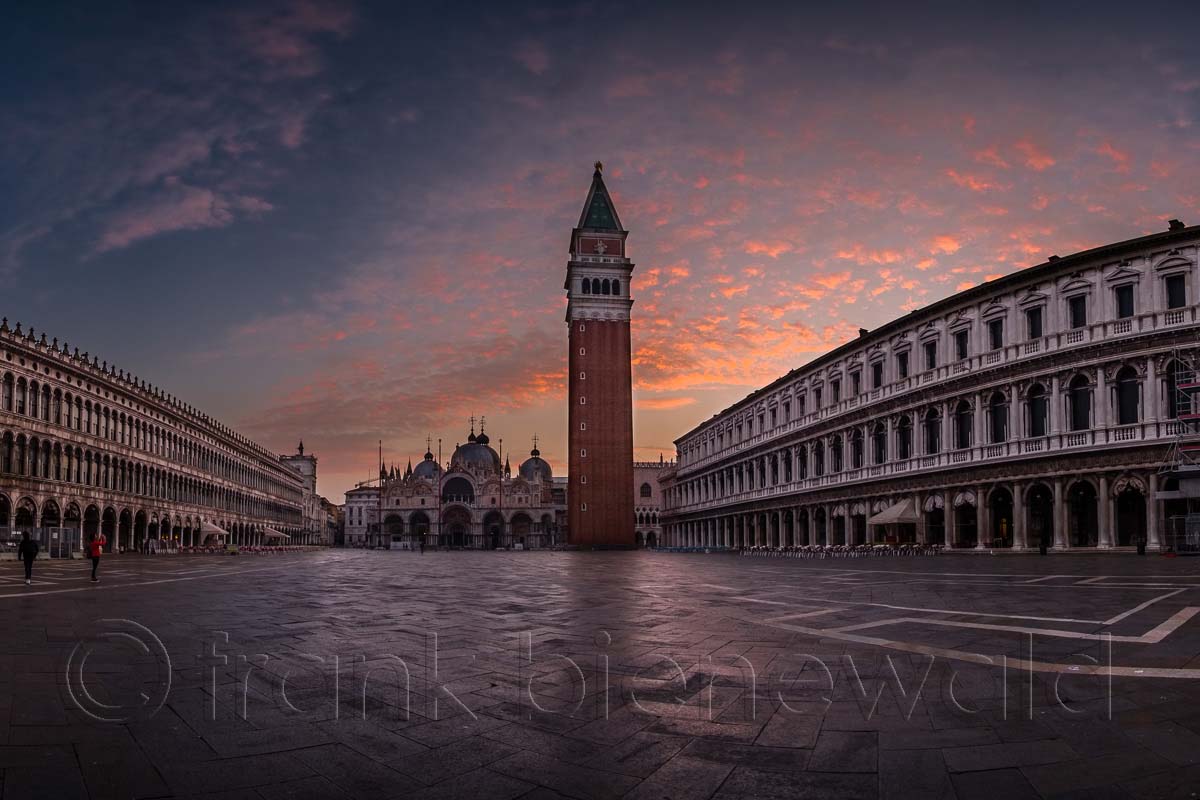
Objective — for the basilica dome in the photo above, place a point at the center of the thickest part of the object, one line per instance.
(475, 456)
(535, 467)
(427, 468)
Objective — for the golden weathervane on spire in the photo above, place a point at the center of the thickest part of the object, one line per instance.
(599, 166)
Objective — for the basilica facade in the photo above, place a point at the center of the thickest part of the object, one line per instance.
(474, 502)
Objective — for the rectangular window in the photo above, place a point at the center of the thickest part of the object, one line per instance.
(762, 422)
(835, 390)
(583, 426)
(583, 376)
(931, 355)
(856, 383)
(787, 412)
(583, 401)
(996, 334)
(583, 478)
(902, 365)
(817, 396)
(1176, 291)
(877, 375)
(583, 452)
(961, 342)
(1077, 311)
(800, 405)
(1124, 297)
(1033, 323)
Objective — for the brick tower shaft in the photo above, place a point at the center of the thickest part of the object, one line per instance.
(600, 385)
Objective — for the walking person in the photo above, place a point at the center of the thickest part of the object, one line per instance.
(98, 542)
(27, 551)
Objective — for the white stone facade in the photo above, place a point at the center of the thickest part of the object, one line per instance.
(86, 447)
(1040, 404)
(647, 501)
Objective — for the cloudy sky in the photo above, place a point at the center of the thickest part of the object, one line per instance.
(346, 222)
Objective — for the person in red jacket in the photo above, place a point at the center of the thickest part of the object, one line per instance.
(97, 547)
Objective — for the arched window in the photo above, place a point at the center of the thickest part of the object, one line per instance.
(933, 431)
(963, 419)
(587, 286)
(616, 287)
(802, 461)
(818, 459)
(1039, 411)
(604, 286)
(904, 438)
(835, 454)
(856, 450)
(1128, 395)
(21, 385)
(998, 417)
(1079, 399)
(879, 444)
(595, 286)
(645, 490)
(8, 391)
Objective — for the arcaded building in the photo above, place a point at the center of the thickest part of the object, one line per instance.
(1049, 404)
(85, 447)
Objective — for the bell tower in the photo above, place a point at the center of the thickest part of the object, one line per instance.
(600, 384)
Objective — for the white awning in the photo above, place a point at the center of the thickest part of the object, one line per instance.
(271, 533)
(207, 528)
(895, 514)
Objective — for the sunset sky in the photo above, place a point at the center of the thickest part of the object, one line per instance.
(346, 222)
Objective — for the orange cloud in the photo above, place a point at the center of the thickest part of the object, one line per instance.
(772, 249)
(664, 403)
(944, 244)
(1035, 158)
(972, 182)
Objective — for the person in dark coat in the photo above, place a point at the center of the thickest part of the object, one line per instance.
(27, 551)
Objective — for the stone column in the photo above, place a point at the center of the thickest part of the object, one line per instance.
(1105, 517)
(1153, 517)
(1150, 401)
(1057, 408)
(948, 427)
(1020, 537)
(922, 528)
(1100, 402)
(983, 519)
(979, 419)
(948, 518)
(1014, 415)
(1060, 516)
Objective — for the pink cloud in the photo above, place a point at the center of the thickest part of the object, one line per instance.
(176, 207)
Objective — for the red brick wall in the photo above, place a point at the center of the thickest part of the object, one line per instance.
(608, 439)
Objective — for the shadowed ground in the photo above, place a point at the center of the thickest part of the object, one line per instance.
(357, 674)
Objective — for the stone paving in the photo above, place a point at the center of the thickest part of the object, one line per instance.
(593, 675)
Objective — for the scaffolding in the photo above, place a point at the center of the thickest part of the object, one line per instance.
(1182, 464)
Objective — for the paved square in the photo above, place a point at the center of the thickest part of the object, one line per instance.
(540, 675)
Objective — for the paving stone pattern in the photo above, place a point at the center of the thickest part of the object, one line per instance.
(600, 675)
